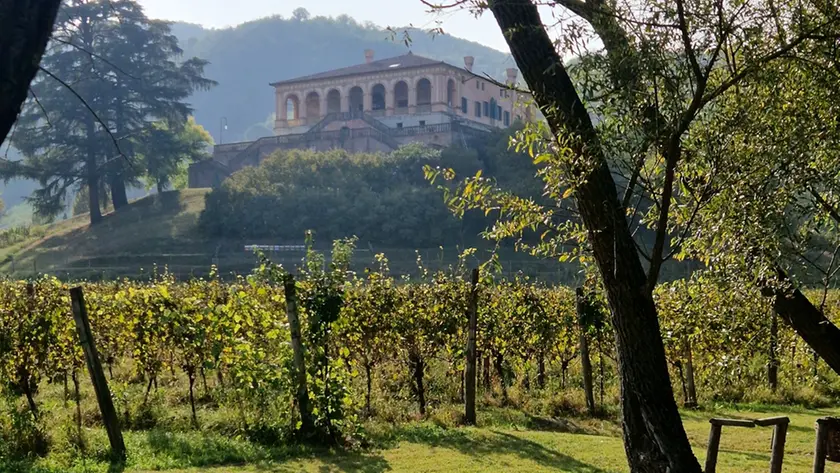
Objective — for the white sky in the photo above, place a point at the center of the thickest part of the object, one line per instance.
(397, 13)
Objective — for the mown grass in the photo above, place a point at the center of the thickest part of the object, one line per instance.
(506, 440)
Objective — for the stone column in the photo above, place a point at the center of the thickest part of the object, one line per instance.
(412, 98)
(367, 98)
(323, 94)
(280, 118)
(390, 98)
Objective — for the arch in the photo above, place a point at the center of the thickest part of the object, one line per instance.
(424, 92)
(356, 99)
(292, 107)
(377, 96)
(450, 92)
(401, 94)
(313, 105)
(334, 101)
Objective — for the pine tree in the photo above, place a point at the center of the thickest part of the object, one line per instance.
(109, 75)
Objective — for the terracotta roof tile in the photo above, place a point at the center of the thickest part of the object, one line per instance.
(406, 61)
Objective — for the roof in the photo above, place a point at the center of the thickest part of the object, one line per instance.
(406, 61)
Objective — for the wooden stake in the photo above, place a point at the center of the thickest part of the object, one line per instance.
(307, 426)
(469, 388)
(97, 376)
(586, 364)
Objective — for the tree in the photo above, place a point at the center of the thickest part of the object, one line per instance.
(110, 72)
(26, 26)
(663, 69)
(146, 81)
(166, 153)
(780, 163)
(300, 14)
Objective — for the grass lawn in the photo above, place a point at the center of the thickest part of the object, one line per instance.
(506, 442)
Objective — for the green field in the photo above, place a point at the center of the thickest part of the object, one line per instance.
(504, 442)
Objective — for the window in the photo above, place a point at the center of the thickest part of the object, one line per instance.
(498, 112)
(486, 109)
(507, 118)
(482, 86)
(477, 85)
(399, 124)
(465, 105)
(422, 122)
(478, 109)
(501, 92)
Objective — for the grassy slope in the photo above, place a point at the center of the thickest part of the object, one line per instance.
(154, 224)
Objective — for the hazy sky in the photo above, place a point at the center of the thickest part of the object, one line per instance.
(221, 13)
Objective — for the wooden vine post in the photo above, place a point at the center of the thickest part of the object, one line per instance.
(97, 376)
(307, 426)
(469, 388)
(586, 364)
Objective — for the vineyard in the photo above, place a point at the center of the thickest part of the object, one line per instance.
(374, 348)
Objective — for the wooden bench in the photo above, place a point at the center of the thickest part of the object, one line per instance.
(777, 443)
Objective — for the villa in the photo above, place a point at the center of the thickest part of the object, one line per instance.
(378, 105)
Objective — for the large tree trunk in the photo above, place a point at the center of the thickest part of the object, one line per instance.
(119, 197)
(651, 417)
(92, 179)
(808, 322)
(25, 28)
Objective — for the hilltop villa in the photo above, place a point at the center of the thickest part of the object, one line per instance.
(378, 105)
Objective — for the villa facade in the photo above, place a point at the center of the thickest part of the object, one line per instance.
(378, 105)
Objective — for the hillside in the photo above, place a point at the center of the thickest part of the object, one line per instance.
(158, 224)
(163, 230)
(245, 59)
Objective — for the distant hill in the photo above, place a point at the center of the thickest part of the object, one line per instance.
(245, 59)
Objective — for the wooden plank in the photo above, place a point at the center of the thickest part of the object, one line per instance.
(469, 387)
(712, 449)
(97, 376)
(767, 421)
(733, 422)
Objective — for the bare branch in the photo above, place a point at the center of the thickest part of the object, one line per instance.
(43, 110)
(689, 49)
(95, 115)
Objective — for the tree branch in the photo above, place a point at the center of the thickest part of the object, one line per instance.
(90, 109)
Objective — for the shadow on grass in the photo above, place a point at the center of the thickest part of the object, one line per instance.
(489, 443)
(199, 451)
